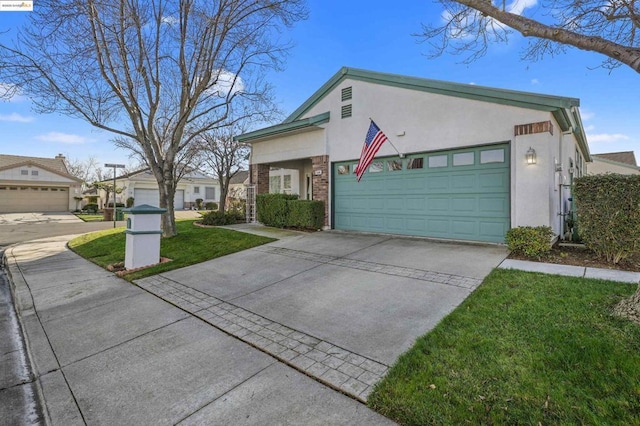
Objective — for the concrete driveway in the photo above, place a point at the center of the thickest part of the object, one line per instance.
(38, 218)
(362, 296)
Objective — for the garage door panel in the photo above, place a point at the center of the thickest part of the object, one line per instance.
(439, 199)
(22, 199)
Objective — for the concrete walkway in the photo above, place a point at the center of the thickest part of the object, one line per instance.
(105, 351)
(572, 271)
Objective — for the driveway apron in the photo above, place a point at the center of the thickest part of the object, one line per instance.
(340, 307)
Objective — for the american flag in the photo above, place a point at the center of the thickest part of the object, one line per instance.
(372, 143)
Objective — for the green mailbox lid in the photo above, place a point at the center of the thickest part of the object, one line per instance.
(144, 209)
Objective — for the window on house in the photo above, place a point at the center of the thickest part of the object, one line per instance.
(343, 170)
(196, 189)
(415, 163)
(274, 184)
(376, 167)
(34, 173)
(24, 172)
(209, 192)
(438, 161)
(286, 183)
(394, 165)
(463, 159)
(492, 156)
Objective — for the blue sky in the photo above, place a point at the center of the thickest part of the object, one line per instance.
(371, 35)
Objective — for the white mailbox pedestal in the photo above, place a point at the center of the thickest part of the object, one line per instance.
(143, 236)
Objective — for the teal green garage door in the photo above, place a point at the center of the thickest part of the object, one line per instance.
(459, 194)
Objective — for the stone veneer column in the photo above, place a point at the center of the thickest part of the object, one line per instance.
(260, 177)
(320, 184)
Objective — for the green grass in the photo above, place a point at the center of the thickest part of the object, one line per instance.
(524, 348)
(90, 217)
(191, 245)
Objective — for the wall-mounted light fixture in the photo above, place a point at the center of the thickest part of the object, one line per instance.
(531, 156)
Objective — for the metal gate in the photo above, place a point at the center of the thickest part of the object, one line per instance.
(251, 203)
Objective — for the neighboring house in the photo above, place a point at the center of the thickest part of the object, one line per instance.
(238, 185)
(143, 187)
(614, 162)
(463, 173)
(34, 184)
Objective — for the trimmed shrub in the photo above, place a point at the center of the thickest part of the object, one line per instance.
(217, 218)
(273, 209)
(608, 208)
(306, 214)
(91, 207)
(130, 202)
(530, 241)
(93, 199)
(211, 206)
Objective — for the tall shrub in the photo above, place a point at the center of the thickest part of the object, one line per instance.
(306, 214)
(273, 210)
(608, 208)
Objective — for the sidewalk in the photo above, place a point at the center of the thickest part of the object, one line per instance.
(105, 351)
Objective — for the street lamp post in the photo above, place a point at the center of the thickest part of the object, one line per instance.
(115, 166)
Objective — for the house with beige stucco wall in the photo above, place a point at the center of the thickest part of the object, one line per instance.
(463, 162)
(623, 163)
(37, 184)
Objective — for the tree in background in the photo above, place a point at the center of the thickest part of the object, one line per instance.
(610, 28)
(157, 74)
(224, 157)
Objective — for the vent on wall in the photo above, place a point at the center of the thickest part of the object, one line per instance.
(346, 111)
(347, 93)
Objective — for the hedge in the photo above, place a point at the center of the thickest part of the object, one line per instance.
(217, 218)
(285, 210)
(272, 209)
(608, 208)
(530, 241)
(306, 214)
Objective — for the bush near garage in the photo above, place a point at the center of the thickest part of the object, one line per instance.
(211, 206)
(285, 210)
(608, 208)
(530, 241)
(307, 214)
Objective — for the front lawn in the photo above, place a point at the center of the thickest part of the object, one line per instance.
(524, 348)
(191, 245)
(90, 217)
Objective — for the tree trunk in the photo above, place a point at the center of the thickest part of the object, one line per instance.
(224, 191)
(167, 196)
(629, 308)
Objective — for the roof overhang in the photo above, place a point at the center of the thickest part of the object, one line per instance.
(35, 164)
(286, 128)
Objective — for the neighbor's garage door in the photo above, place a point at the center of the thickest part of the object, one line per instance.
(459, 194)
(18, 199)
(152, 198)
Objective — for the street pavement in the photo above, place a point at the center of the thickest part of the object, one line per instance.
(264, 336)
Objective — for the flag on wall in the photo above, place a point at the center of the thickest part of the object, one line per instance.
(372, 143)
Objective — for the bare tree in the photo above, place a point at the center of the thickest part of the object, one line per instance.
(607, 27)
(82, 169)
(155, 73)
(223, 156)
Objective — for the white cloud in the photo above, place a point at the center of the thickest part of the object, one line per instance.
(519, 6)
(169, 20)
(586, 115)
(6, 89)
(65, 138)
(16, 118)
(227, 82)
(535, 81)
(606, 137)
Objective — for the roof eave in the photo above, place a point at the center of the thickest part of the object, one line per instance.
(285, 127)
